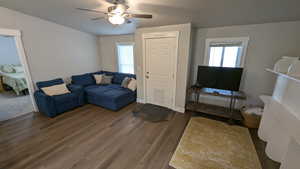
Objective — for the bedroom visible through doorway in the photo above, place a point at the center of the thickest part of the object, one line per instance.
(14, 94)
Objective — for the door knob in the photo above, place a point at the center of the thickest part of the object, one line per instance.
(147, 77)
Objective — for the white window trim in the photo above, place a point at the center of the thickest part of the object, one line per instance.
(243, 40)
(117, 54)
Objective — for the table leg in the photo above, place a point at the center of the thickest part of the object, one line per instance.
(231, 109)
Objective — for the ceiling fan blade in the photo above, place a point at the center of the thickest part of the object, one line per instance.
(98, 18)
(91, 10)
(116, 1)
(146, 16)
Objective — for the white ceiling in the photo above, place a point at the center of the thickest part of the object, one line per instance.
(202, 13)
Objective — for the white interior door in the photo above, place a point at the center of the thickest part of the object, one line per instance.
(160, 68)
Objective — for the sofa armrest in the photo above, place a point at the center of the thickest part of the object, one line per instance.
(45, 103)
(78, 89)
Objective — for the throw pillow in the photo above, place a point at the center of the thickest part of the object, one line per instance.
(98, 78)
(132, 84)
(125, 82)
(56, 90)
(107, 79)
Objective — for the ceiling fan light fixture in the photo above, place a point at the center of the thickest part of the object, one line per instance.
(116, 19)
(119, 9)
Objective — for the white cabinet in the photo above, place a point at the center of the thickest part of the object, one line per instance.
(280, 125)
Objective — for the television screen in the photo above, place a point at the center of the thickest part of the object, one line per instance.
(219, 77)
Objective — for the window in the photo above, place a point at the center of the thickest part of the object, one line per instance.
(225, 52)
(125, 58)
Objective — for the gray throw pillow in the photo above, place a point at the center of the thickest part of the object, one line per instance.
(106, 79)
(125, 82)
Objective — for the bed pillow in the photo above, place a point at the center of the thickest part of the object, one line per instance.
(18, 69)
(132, 84)
(56, 90)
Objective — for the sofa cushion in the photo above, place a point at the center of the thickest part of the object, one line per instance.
(108, 73)
(119, 77)
(111, 92)
(84, 80)
(94, 89)
(117, 94)
(65, 102)
(111, 96)
(43, 84)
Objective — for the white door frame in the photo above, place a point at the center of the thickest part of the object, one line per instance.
(17, 35)
(171, 34)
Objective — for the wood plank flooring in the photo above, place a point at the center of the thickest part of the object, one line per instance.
(91, 137)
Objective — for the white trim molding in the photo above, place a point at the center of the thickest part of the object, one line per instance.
(153, 35)
(17, 35)
(140, 100)
(117, 54)
(179, 109)
(244, 43)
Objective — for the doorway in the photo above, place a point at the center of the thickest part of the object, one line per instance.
(160, 51)
(16, 88)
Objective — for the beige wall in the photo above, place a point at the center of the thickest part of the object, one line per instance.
(183, 59)
(53, 50)
(108, 51)
(268, 42)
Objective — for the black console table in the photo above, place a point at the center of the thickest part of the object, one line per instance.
(225, 112)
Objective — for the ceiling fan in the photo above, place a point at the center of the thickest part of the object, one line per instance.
(117, 14)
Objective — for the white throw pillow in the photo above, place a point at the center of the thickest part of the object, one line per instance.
(56, 90)
(98, 78)
(132, 85)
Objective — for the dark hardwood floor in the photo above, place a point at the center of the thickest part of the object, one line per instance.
(90, 137)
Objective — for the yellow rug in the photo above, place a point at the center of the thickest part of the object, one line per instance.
(210, 144)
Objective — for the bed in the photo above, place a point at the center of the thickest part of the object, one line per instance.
(14, 77)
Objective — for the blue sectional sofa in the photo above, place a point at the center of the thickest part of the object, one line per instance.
(85, 90)
(55, 105)
(111, 96)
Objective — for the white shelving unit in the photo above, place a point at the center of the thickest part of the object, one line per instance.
(284, 75)
(280, 125)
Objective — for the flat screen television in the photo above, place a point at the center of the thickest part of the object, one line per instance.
(219, 77)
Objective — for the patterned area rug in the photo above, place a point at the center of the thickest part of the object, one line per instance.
(152, 113)
(210, 144)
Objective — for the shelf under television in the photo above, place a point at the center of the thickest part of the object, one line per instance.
(214, 110)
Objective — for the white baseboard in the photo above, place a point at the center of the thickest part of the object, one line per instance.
(179, 109)
(139, 100)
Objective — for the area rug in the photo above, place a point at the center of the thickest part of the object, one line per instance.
(152, 113)
(12, 105)
(210, 144)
